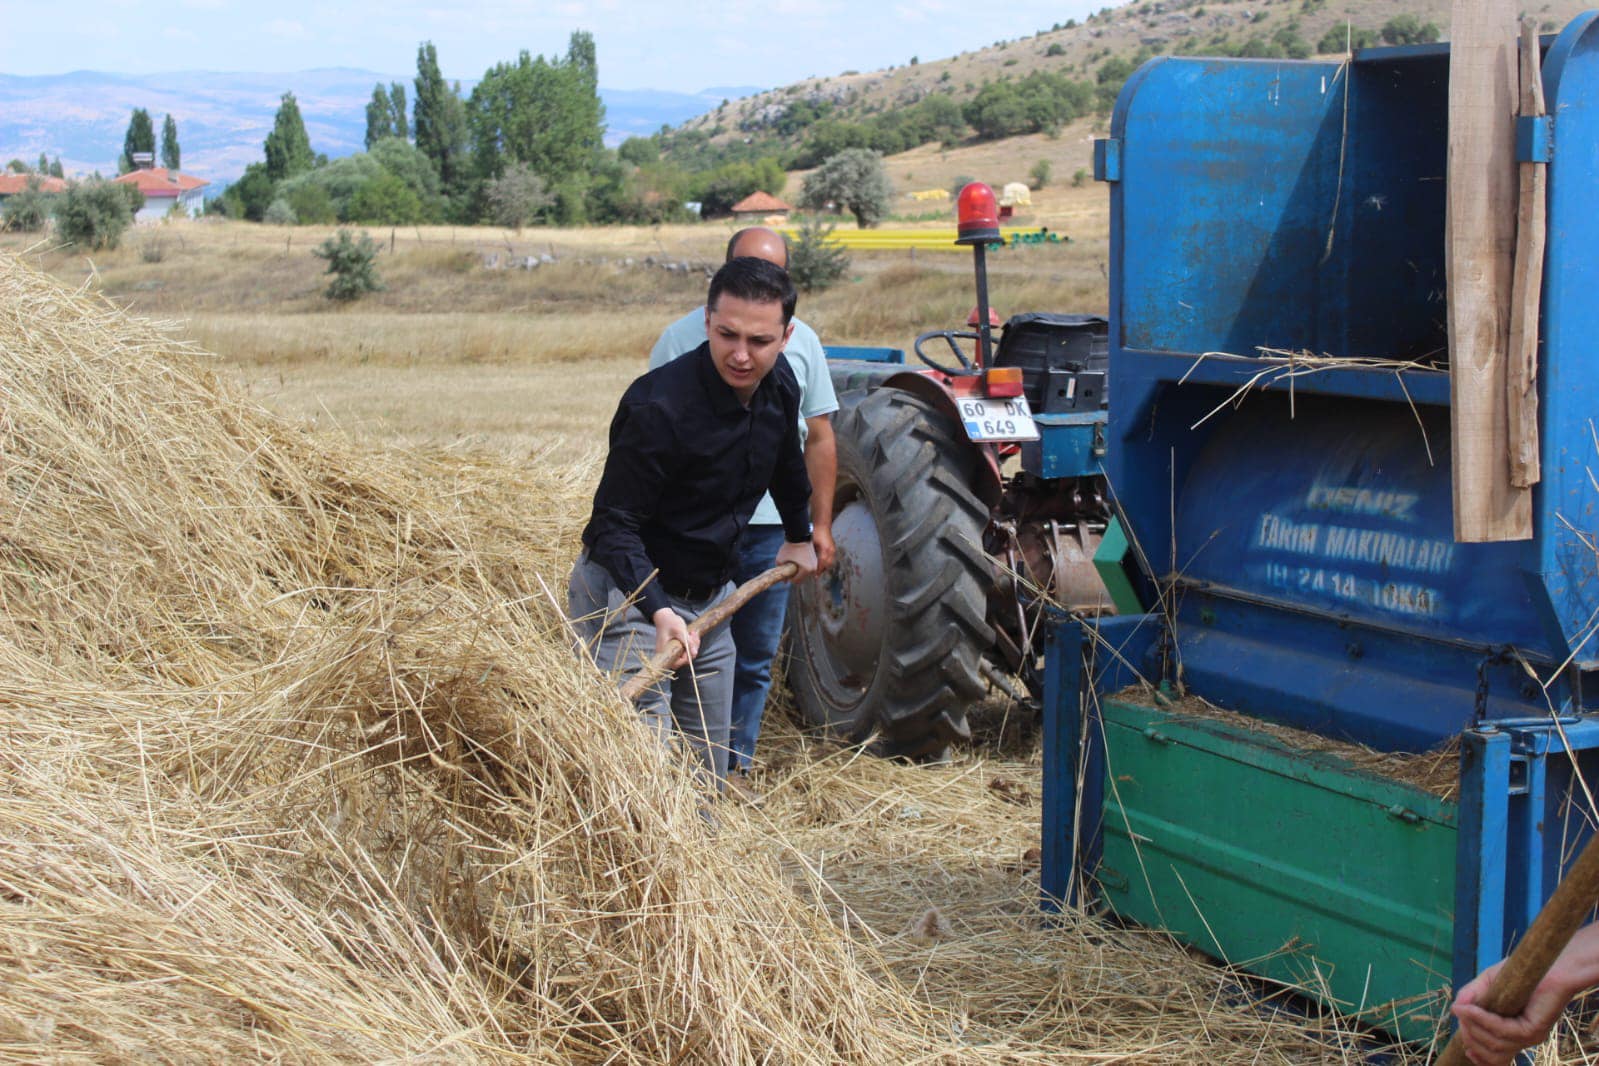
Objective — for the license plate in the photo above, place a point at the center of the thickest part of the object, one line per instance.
(994, 420)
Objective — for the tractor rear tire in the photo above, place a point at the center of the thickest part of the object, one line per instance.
(891, 639)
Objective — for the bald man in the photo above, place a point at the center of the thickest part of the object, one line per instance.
(758, 626)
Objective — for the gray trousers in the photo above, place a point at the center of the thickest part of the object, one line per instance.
(699, 701)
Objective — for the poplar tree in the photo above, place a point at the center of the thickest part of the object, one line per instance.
(288, 148)
(438, 119)
(139, 138)
(385, 113)
(546, 114)
(171, 154)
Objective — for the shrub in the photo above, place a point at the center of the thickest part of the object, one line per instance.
(1338, 38)
(94, 214)
(28, 210)
(1056, 49)
(1038, 177)
(279, 213)
(1408, 29)
(350, 261)
(960, 182)
(517, 197)
(814, 262)
(1079, 177)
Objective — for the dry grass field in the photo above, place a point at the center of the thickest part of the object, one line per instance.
(456, 352)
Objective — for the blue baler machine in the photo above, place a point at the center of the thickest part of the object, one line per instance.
(1296, 555)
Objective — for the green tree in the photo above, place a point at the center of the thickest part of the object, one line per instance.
(827, 138)
(55, 169)
(288, 148)
(379, 120)
(17, 166)
(139, 138)
(339, 180)
(385, 200)
(854, 179)
(998, 111)
(385, 113)
(517, 197)
(1408, 29)
(350, 261)
(640, 195)
(310, 202)
(94, 214)
(814, 262)
(544, 113)
(251, 195)
(171, 154)
(44, 164)
(1342, 37)
(718, 190)
(640, 151)
(404, 161)
(942, 117)
(438, 120)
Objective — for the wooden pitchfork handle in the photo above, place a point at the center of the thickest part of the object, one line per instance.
(661, 664)
(1551, 931)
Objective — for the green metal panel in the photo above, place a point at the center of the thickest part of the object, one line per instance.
(1285, 863)
(1110, 559)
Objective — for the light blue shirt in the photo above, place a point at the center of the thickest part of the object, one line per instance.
(804, 354)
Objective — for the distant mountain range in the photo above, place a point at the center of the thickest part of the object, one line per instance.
(224, 117)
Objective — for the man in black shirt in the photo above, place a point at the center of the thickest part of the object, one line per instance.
(693, 446)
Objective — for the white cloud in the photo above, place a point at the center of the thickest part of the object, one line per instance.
(179, 34)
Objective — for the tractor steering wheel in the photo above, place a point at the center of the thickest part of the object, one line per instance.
(949, 337)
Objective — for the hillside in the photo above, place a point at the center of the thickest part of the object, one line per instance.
(1120, 36)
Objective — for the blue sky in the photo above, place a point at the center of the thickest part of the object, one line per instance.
(684, 47)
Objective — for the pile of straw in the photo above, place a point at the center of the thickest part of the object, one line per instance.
(298, 762)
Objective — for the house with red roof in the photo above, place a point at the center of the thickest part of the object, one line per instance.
(164, 189)
(11, 183)
(760, 204)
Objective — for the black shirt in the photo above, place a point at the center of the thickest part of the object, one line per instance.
(688, 464)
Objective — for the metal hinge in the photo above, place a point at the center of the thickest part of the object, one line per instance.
(1108, 159)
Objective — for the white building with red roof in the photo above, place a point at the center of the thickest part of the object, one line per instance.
(163, 189)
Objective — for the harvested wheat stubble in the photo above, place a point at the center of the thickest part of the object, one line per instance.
(296, 764)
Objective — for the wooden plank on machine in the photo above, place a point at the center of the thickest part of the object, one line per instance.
(1480, 237)
(1531, 218)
